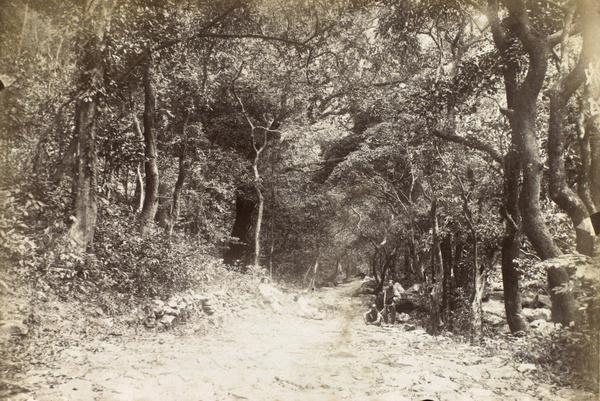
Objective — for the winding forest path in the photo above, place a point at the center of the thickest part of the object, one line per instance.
(286, 357)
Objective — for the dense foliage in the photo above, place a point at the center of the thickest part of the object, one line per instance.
(141, 141)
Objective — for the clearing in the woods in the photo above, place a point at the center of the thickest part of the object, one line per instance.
(258, 355)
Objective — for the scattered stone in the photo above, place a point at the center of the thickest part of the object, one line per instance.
(403, 317)
(13, 328)
(42, 297)
(542, 326)
(526, 367)
(494, 319)
(167, 320)
(536, 314)
(172, 311)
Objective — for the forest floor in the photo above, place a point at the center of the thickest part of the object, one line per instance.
(259, 355)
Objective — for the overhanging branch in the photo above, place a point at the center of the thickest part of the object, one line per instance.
(470, 142)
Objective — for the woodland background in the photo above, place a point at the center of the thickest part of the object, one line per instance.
(150, 146)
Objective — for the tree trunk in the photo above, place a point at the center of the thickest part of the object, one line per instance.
(86, 116)
(259, 217)
(238, 249)
(138, 194)
(511, 245)
(447, 304)
(437, 270)
(181, 176)
(150, 207)
(86, 207)
(175, 207)
(522, 102)
(476, 310)
(559, 95)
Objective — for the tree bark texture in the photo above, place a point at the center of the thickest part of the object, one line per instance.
(97, 17)
(511, 245)
(86, 206)
(238, 249)
(522, 118)
(560, 192)
(437, 293)
(447, 259)
(181, 176)
(150, 165)
(261, 207)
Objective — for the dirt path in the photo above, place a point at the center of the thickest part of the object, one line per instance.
(286, 357)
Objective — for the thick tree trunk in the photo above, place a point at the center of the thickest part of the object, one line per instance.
(151, 167)
(511, 245)
(593, 136)
(238, 248)
(522, 118)
(567, 199)
(588, 180)
(86, 207)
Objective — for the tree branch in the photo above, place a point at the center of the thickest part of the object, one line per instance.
(470, 142)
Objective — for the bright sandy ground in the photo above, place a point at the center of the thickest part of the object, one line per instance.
(260, 356)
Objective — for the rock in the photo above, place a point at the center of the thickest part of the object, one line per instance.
(526, 367)
(13, 328)
(367, 287)
(167, 320)
(414, 288)
(131, 320)
(403, 318)
(543, 301)
(494, 319)
(543, 327)
(42, 297)
(405, 305)
(172, 311)
(158, 303)
(173, 304)
(536, 314)
(200, 298)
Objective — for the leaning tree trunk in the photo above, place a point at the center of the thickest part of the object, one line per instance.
(522, 118)
(559, 95)
(151, 167)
